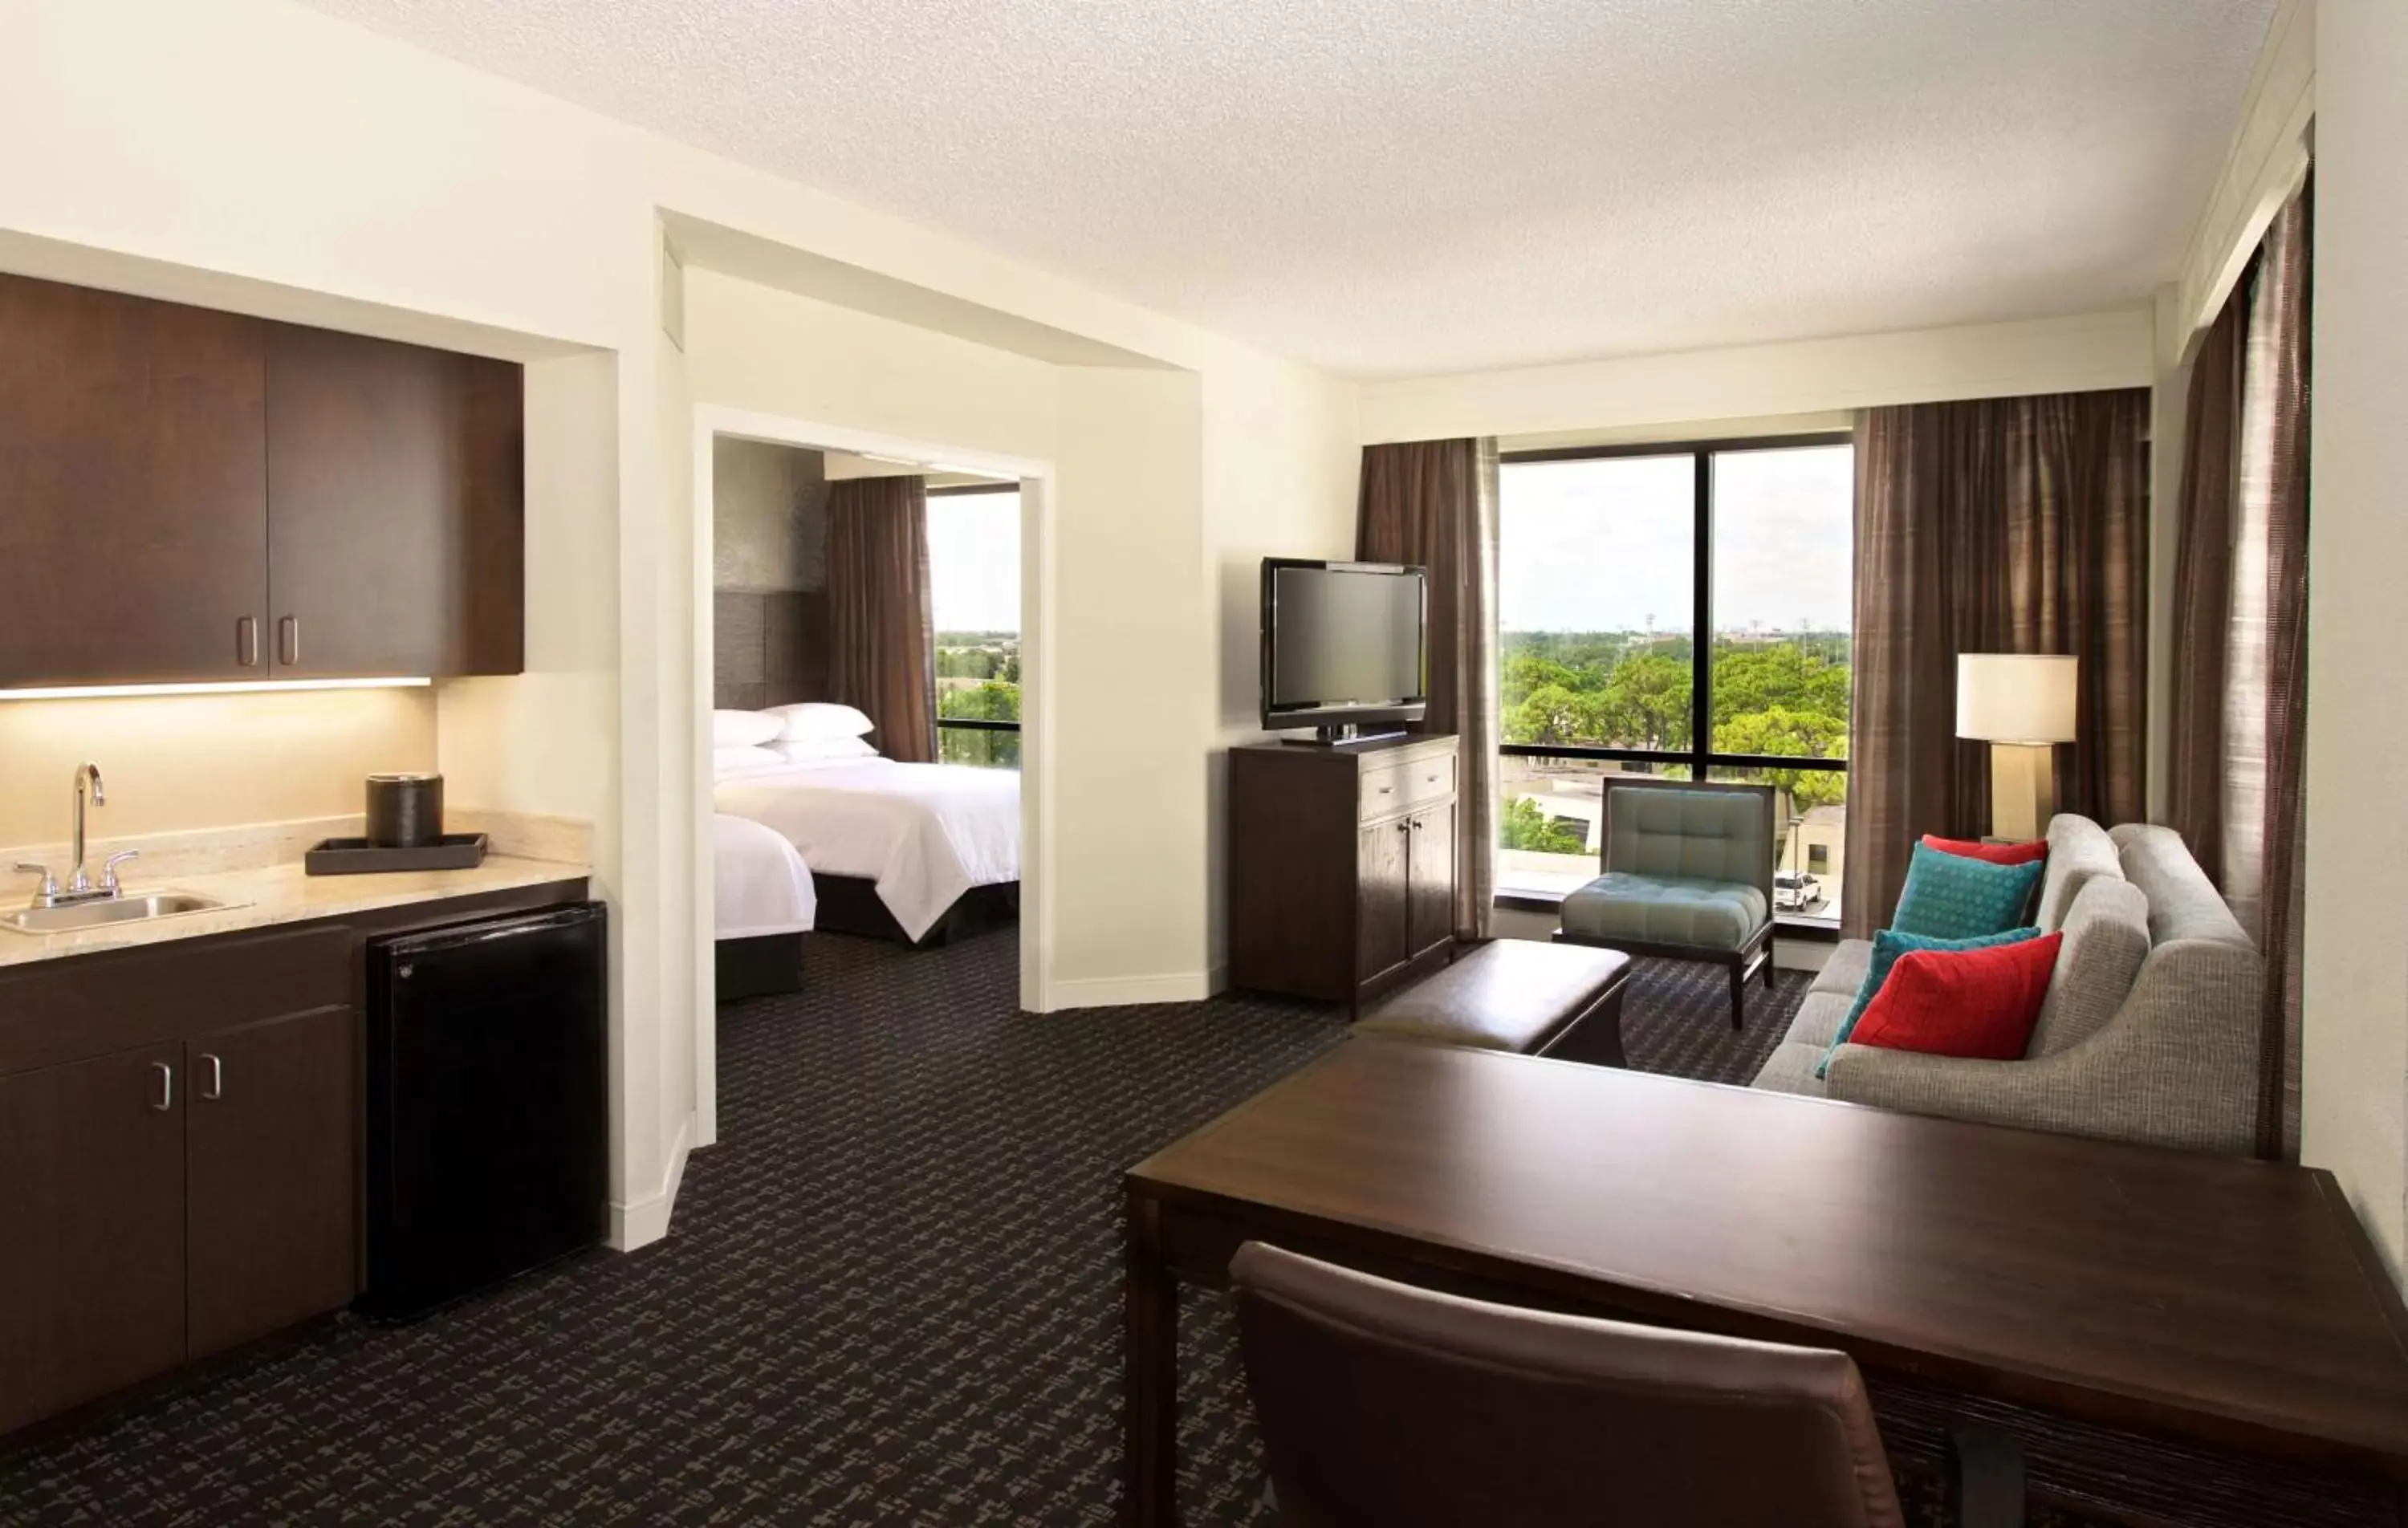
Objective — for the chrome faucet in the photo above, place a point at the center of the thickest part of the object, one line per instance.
(80, 886)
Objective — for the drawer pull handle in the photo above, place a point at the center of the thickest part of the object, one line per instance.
(1387, 790)
(215, 1089)
(167, 1099)
(1431, 778)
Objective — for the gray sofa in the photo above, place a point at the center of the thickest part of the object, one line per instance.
(2148, 1032)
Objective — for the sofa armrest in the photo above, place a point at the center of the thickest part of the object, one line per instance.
(2176, 1067)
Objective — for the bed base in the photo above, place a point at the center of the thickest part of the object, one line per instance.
(850, 904)
(762, 966)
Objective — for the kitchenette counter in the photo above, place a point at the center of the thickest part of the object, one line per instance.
(266, 896)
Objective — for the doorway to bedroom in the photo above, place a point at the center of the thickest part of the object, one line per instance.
(867, 670)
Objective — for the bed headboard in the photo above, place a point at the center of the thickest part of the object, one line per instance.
(769, 648)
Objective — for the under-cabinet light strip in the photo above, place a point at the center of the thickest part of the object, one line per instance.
(232, 687)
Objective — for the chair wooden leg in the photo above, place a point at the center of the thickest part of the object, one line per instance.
(1738, 993)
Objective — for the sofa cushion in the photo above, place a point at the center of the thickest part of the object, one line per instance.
(1790, 1068)
(1689, 836)
(1888, 945)
(1819, 1017)
(1662, 909)
(1948, 896)
(2106, 940)
(1974, 849)
(1978, 1004)
(2078, 848)
(1844, 972)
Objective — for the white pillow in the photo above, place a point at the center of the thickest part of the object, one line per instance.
(744, 760)
(816, 749)
(819, 719)
(744, 729)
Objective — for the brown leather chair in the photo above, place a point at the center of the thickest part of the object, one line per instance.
(1382, 1405)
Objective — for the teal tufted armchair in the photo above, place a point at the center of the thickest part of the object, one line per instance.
(1687, 874)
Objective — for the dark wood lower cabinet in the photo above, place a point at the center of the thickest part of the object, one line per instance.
(271, 1144)
(92, 1211)
(1382, 874)
(1429, 909)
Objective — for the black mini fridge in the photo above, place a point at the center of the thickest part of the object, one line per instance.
(488, 1105)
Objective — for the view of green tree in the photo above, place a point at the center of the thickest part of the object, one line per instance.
(1786, 696)
(977, 679)
(1524, 826)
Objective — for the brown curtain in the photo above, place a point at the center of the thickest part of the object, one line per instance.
(882, 642)
(2000, 525)
(2203, 587)
(1433, 503)
(2270, 682)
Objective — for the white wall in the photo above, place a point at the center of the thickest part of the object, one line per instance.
(2354, 993)
(1805, 377)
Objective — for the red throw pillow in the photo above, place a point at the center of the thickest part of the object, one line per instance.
(1974, 849)
(1975, 1003)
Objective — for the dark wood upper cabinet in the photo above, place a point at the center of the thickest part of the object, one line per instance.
(395, 493)
(272, 1165)
(189, 495)
(92, 1197)
(132, 489)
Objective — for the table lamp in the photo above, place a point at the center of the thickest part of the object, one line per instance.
(2022, 704)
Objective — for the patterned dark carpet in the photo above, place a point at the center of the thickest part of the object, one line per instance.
(891, 1295)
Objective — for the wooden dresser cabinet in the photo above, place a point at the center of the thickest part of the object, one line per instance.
(1341, 866)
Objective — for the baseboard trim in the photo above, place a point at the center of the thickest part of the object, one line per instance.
(1127, 991)
(643, 1221)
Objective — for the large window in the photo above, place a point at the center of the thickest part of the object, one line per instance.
(1680, 612)
(974, 598)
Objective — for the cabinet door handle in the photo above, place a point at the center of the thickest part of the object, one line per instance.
(246, 641)
(214, 1089)
(288, 639)
(167, 1099)
(1417, 824)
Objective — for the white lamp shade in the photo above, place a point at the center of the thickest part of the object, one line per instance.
(2014, 697)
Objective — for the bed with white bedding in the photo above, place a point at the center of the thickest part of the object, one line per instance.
(922, 835)
(762, 885)
(763, 900)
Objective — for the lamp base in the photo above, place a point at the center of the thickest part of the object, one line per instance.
(2023, 790)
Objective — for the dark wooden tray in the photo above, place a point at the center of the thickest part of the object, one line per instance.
(358, 857)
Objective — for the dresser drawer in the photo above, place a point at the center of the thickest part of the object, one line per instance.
(1401, 787)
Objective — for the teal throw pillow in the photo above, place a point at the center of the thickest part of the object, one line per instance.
(1949, 896)
(1888, 945)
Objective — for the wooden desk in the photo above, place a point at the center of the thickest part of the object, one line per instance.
(2232, 1302)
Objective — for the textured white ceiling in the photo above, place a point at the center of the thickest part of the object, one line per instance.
(1393, 187)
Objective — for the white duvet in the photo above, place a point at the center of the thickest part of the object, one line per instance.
(762, 885)
(924, 834)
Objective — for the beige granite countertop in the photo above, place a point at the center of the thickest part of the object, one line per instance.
(261, 897)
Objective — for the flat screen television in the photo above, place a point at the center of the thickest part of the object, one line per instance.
(1344, 646)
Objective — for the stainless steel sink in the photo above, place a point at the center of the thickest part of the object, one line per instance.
(118, 910)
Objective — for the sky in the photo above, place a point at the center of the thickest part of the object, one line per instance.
(974, 562)
(1606, 544)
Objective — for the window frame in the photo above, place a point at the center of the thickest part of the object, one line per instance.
(1699, 756)
(962, 723)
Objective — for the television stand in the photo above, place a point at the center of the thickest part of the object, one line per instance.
(1341, 866)
(1340, 732)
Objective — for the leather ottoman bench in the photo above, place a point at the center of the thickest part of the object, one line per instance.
(1557, 1000)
